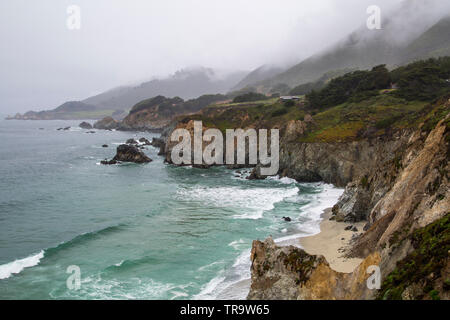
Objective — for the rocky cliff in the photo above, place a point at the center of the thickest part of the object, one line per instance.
(406, 197)
(395, 179)
(389, 148)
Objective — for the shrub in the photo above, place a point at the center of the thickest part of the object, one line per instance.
(279, 113)
(249, 97)
(355, 86)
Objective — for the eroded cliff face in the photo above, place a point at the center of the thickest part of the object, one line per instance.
(401, 194)
(418, 197)
(397, 182)
(337, 163)
(289, 273)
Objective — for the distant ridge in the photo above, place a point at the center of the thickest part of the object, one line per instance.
(186, 84)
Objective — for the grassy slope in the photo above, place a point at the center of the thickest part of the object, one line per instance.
(258, 114)
(345, 122)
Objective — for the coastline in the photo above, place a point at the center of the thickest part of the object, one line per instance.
(328, 243)
(331, 242)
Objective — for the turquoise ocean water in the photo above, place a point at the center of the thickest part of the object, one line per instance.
(149, 231)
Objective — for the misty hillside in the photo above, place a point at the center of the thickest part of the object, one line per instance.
(396, 44)
(435, 42)
(187, 84)
(257, 75)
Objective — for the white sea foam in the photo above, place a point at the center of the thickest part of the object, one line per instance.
(226, 284)
(15, 267)
(208, 266)
(236, 244)
(326, 198)
(311, 213)
(97, 288)
(253, 202)
(209, 290)
(120, 263)
(284, 180)
(234, 283)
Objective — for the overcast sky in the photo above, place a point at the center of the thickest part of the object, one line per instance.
(44, 64)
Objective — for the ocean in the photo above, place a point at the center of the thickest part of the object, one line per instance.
(151, 231)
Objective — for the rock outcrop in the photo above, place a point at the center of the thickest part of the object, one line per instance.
(158, 143)
(85, 125)
(406, 201)
(289, 273)
(107, 123)
(128, 153)
(338, 163)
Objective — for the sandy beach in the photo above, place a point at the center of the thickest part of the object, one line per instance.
(330, 241)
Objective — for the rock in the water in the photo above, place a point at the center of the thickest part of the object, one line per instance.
(131, 141)
(108, 162)
(105, 146)
(85, 125)
(287, 219)
(107, 123)
(256, 174)
(144, 141)
(66, 128)
(129, 153)
(158, 143)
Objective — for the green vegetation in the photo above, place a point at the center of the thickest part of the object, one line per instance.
(354, 106)
(280, 89)
(424, 265)
(307, 88)
(423, 80)
(419, 81)
(375, 116)
(352, 87)
(153, 102)
(249, 97)
(258, 114)
(171, 106)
